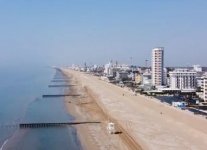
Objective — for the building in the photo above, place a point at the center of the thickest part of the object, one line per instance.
(146, 79)
(201, 86)
(205, 89)
(121, 75)
(157, 66)
(138, 78)
(108, 69)
(197, 68)
(183, 79)
(165, 79)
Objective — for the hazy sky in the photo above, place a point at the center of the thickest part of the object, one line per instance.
(56, 32)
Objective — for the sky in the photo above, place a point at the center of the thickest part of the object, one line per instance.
(65, 32)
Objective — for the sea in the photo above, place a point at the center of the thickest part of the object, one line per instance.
(21, 101)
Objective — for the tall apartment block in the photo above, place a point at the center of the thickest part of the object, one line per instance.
(157, 66)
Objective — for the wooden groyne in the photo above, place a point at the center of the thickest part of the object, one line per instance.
(60, 80)
(47, 125)
(60, 85)
(59, 95)
(62, 77)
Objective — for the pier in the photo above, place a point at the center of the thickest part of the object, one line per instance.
(47, 125)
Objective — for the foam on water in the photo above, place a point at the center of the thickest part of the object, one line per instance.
(4, 144)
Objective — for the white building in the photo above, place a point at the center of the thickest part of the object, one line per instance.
(165, 82)
(157, 66)
(183, 79)
(108, 69)
(146, 79)
(205, 89)
(201, 84)
(197, 68)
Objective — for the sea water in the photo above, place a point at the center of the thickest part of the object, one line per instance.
(21, 101)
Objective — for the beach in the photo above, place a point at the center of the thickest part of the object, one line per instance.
(144, 122)
(85, 108)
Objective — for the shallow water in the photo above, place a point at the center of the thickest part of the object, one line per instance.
(21, 92)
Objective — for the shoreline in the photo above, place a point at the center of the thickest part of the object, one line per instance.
(4, 144)
(86, 108)
(150, 123)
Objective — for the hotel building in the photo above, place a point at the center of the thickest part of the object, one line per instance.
(183, 79)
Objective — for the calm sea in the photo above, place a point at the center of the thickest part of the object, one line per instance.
(21, 101)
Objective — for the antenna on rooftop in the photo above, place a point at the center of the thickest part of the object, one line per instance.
(146, 63)
(116, 63)
(131, 61)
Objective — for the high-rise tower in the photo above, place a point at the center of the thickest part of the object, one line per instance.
(157, 66)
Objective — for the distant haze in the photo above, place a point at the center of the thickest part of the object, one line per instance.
(61, 32)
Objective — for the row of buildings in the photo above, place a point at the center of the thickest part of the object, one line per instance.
(178, 79)
(157, 78)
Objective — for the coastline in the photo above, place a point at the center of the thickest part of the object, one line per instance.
(148, 122)
(3, 145)
(74, 110)
(85, 108)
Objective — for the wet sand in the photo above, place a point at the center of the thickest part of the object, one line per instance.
(145, 122)
(93, 136)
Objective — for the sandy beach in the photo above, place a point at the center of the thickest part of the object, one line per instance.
(145, 122)
(93, 136)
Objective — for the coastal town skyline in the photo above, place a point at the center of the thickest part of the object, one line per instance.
(103, 75)
(66, 32)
